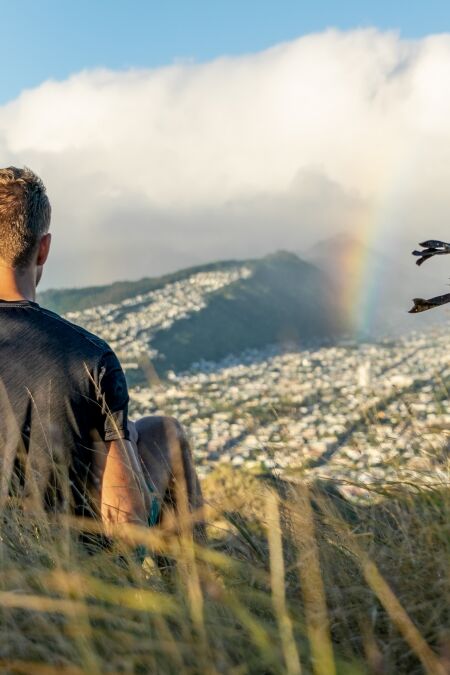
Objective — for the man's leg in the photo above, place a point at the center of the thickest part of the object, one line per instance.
(166, 458)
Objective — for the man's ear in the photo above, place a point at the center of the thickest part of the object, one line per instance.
(44, 248)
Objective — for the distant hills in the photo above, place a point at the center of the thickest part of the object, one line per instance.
(343, 287)
(64, 300)
(283, 299)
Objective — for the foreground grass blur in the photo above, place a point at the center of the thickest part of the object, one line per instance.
(294, 579)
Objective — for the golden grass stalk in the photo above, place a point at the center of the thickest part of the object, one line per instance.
(277, 579)
(186, 562)
(312, 585)
(79, 626)
(26, 667)
(396, 612)
(399, 616)
(141, 600)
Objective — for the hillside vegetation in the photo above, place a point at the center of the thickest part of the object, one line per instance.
(281, 299)
(294, 580)
(284, 300)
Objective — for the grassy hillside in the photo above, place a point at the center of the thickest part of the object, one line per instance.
(285, 299)
(293, 580)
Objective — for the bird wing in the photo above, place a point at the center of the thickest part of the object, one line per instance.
(425, 255)
(435, 243)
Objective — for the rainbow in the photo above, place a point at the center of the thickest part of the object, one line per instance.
(377, 231)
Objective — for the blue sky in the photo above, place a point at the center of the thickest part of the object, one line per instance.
(41, 39)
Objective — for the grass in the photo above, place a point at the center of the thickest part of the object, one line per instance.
(294, 579)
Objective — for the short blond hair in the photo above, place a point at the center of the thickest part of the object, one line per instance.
(25, 214)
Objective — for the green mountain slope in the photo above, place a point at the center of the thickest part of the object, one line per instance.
(285, 299)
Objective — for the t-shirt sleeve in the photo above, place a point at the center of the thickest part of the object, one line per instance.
(112, 396)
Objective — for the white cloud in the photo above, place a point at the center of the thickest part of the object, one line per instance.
(151, 170)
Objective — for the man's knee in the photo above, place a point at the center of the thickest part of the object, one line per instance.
(160, 429)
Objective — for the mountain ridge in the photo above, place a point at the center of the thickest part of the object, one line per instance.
(207, 312)
(64, 300)
(285, 300)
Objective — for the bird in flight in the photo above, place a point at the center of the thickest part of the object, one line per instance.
(430, 248)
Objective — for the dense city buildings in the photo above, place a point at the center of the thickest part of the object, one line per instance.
(358, 412)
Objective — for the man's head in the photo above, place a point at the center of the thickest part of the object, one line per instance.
(24, 220)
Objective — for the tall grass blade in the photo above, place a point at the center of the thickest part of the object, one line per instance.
(312, 584)
(277, 578)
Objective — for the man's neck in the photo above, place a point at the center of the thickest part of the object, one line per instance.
(17, 284)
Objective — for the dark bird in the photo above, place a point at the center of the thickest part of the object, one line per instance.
(430, 248)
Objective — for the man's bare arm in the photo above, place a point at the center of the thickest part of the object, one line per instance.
(125, 497)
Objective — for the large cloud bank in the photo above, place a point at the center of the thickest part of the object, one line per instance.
(151, 170)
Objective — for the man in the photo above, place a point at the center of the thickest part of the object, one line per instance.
(65, 439)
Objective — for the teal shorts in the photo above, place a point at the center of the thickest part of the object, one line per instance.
(155, 509)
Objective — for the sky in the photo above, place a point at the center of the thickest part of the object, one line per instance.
(51, 39)
(174, 133)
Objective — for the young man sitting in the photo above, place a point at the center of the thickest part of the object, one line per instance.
(65, 439)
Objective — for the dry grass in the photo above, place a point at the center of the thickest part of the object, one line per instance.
(294, 580)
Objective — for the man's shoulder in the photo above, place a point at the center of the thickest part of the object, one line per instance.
(75, 332)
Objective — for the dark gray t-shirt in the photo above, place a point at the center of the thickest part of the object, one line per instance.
(62, 394)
